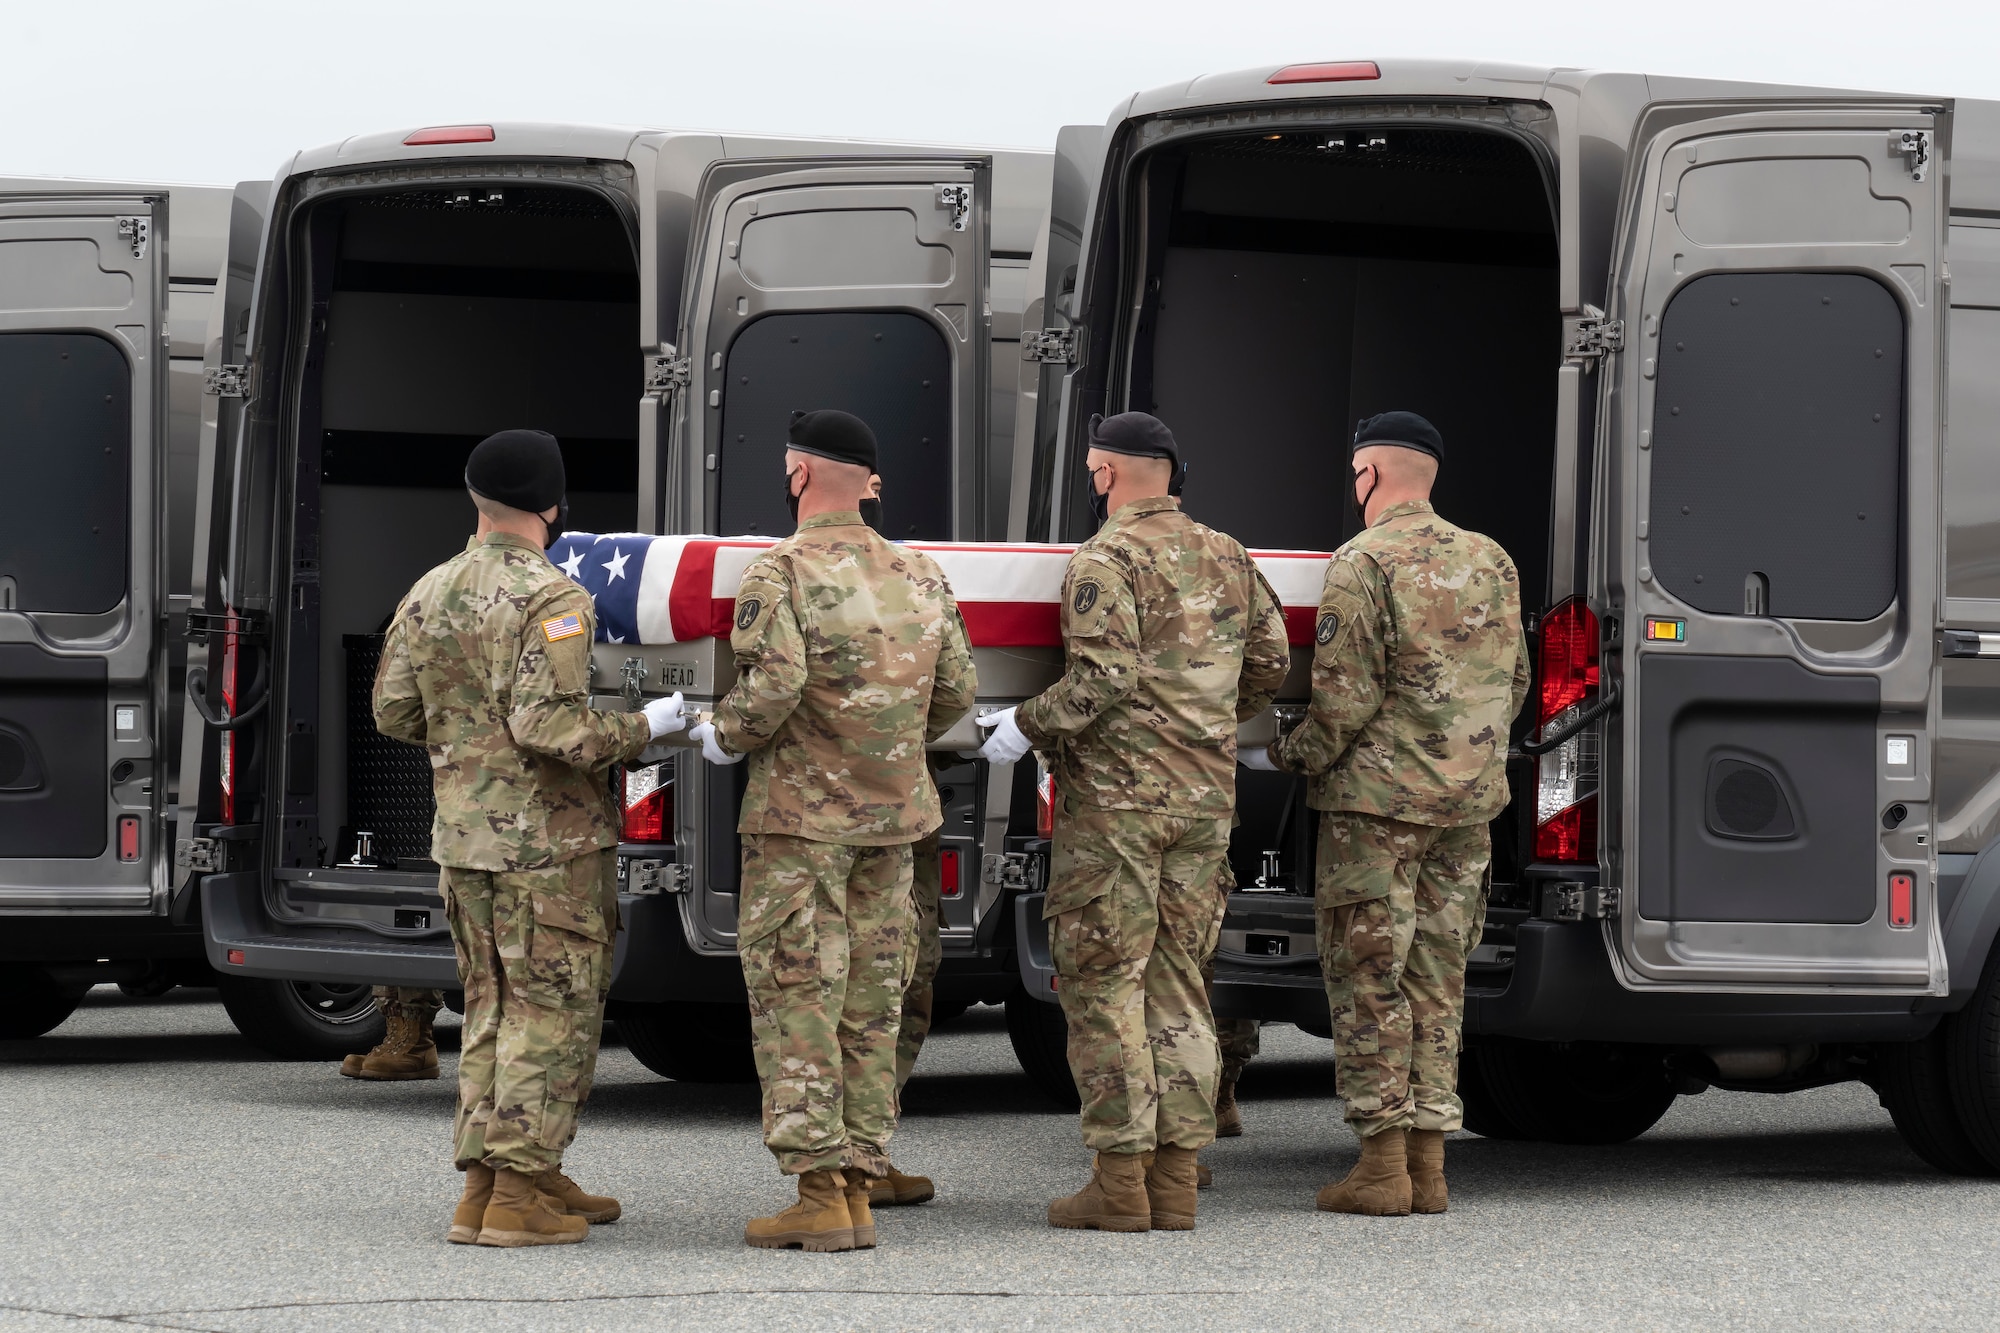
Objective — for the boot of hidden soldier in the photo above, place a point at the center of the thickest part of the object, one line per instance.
(1172, 1177)
(1425, 1149)
(593, 1208)
(518, 1214)
(1228, 1117)
(1379, 1184)
(896, 1190)
(409, 1051)
(819, 1222)
(1114, 1200)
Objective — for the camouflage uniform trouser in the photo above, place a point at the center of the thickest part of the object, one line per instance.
(925, 904)
(1133, 912)
(534, 956)
(1238, 1039)
(824, 935)
(418, 1002)
(1399, 908)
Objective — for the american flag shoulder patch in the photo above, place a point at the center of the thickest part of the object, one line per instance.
(562, 627)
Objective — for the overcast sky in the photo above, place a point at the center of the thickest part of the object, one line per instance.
(220, 90)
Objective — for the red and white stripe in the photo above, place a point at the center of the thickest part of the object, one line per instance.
(1010, 595)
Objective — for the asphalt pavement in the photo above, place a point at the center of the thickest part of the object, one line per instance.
(164, 1174)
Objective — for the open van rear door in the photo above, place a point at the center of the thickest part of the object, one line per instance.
(83, 289)
(1768, 537)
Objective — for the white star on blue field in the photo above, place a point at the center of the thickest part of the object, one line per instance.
(609, 567)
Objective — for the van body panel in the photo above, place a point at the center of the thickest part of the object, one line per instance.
(104, 289)
(1770, 442)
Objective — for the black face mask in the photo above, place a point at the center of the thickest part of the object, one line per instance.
(560, 526)
(871, 511)
(1361, 501)
(791, 501)
(1100, 503)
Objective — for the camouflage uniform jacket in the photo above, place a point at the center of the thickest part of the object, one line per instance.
(1419, 669)
(487, 665)
(850, 655)
(1172, 638)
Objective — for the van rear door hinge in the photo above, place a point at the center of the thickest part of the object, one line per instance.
(647, 878)
(1581, 902)
(957, 198)
(226, 382)
(201, 855)
(1914, 146)
(1011, 870)
(1051, 345)
(664, 374)
(1589, 336)
(138, 231)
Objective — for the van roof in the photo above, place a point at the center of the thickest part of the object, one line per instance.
(1450, 78)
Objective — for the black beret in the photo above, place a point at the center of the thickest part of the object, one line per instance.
(1134, 433)
(522, 468)
(1405, 430)
(831, 433)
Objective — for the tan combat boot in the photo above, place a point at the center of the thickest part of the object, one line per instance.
(470, 1215)
(407, 1052)
(351, 1066)
(1379, 1184)
(859, 1188)
(819, 1222)
(1203, 1177)
(1172, 1177)
(897, 1190)
(520, 1214)
(1114, 1200)
(1425, 1148)
(1228, 1118)
(574, 1201)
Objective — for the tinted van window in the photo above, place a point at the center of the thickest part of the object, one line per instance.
(65, 449)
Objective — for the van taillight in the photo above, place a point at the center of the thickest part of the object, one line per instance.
(451, 134)
(1328, 71)
(649, 804)
(229, 642)
(948, 881)
(128, 837)
(1566, 777)
(1045, 803)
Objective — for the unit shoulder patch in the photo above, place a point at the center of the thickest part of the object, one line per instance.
(1085, 597)
(747, 611)
(1329, 625)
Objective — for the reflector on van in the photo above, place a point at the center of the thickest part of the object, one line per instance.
(451, 134)
(1335, 71)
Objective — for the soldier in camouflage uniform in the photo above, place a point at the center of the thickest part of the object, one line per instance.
(487, 665)
(408, 1049)
(1172, 637)
(1419, 669)
(850, 656)
(1237, 1039)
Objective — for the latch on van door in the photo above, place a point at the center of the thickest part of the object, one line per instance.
(647, 878)
(1052, 345)
(664, 374)
(1580, 902)
(226, 382)
(1915, 148)
(957, 198)
(1589, 336)
(1011, 870)
(138, 231)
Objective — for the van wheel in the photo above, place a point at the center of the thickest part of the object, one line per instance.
(32, 1002)
(1483, 1115)
(1576, 1092)
(1972, 1064)
(303, 1020)
(1912, 1081)
(1041, 1043)
(691, 1042)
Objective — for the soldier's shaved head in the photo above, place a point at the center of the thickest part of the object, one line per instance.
(1404, 470)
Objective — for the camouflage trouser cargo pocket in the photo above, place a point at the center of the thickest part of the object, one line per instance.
(566, 945)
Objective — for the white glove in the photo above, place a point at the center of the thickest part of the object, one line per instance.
(665, 715)
(710, 750)
(1006, 744)
(1256, 757)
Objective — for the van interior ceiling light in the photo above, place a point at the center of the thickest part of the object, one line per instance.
(450, 134)
(1331, 71)
(1568, 679)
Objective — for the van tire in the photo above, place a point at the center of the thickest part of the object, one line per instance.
(1972, 1064)
(1040, 1037)
(691, 1042)
(303, 1020)
(33, 1003)
(1577, 1092)
(1483, 1115)
(1912, 1080)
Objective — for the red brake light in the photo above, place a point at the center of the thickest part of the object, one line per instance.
(948, 873)
(1334, 71)
(451, 134)
(1570, 836)
(649, 805)
(1569, 667)
(236, 957)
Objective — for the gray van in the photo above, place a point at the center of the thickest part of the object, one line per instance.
(107, 310)
(1719, 364)
(659, 301)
